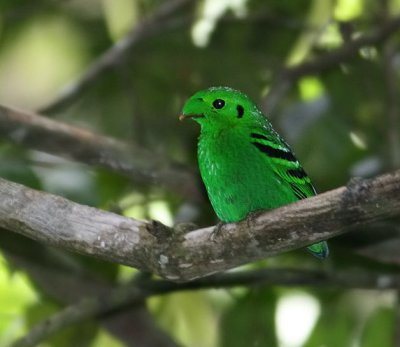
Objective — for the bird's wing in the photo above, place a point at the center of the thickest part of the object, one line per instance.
(283, 162)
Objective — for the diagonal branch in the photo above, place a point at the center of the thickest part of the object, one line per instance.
(81, 145)
(149, 26)
(153, 247)
(133, 293)
(288, 76)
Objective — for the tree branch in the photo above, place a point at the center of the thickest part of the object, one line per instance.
(81, 145)
(288, 76)
(149, 26)
(153, 247)
(133, 293)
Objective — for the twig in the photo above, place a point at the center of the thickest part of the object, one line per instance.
(149, 26)
(288, 76)
(81, 145)
(133, 293)
(155, 248)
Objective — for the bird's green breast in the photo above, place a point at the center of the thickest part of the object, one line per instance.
(239, 179)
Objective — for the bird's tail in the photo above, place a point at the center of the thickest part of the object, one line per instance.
(320, 249)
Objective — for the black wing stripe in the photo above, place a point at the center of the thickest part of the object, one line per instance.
(275, 152)
(299, 173)
(260, 136)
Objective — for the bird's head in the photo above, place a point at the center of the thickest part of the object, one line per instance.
(221, 107)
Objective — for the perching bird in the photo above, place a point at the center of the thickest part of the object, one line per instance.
(245, 165)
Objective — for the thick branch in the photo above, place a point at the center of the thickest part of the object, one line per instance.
(290, 75)
(131, 294)
(149, 26)
(79, 144)
(155, 248)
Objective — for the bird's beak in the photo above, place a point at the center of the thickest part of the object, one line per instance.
(185, 116)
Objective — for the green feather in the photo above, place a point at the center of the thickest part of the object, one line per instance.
(245, 165)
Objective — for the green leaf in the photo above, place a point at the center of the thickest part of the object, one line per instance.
(250, 321)
(80, 335)
(338, 321)
(379, 330)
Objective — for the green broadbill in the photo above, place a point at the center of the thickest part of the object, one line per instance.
(245, 165)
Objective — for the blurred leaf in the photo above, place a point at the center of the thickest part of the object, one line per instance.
(110, 187)
(14, 166)
(250, 321)
(16, 294)
(337, 323)
(379, 329)
(189, 317)
(80, 335)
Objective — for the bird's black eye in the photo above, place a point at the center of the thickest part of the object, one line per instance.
(218, 103)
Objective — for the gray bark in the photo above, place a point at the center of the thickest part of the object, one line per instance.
(153, 247)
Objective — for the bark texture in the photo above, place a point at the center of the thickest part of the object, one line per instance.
(153, 247)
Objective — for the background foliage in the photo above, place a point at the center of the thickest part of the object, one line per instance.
(343, 121)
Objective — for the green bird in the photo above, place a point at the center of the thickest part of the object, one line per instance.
(245, 165)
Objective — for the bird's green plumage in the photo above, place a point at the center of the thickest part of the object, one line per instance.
(245, 165)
